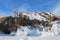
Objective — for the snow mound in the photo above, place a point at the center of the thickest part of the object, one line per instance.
(26, 31)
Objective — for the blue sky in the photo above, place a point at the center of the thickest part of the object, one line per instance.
(7, 6)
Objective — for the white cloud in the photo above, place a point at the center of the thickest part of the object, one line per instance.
(56, 9)
(24, 8)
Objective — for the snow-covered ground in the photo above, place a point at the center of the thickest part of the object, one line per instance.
(29, 38)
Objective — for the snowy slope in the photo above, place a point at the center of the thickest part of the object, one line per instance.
(34, 15)
(38, 15)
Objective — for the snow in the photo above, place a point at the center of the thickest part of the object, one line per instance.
(34, 16)
(56, 28)
(26, 34)
(8, 38)
(25, 31)
(37, 17)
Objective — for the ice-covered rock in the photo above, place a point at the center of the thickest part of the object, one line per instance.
(56, 28)
(26, 31)
(22, 31)
(34, 15)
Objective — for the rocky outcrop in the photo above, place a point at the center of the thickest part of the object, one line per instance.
(10, 24)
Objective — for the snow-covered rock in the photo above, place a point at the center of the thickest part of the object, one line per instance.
(56, 28)
(34, 15)
(40, 33)
(26, 31)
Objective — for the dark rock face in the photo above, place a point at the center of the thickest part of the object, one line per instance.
(8, 25)
(25, 21)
